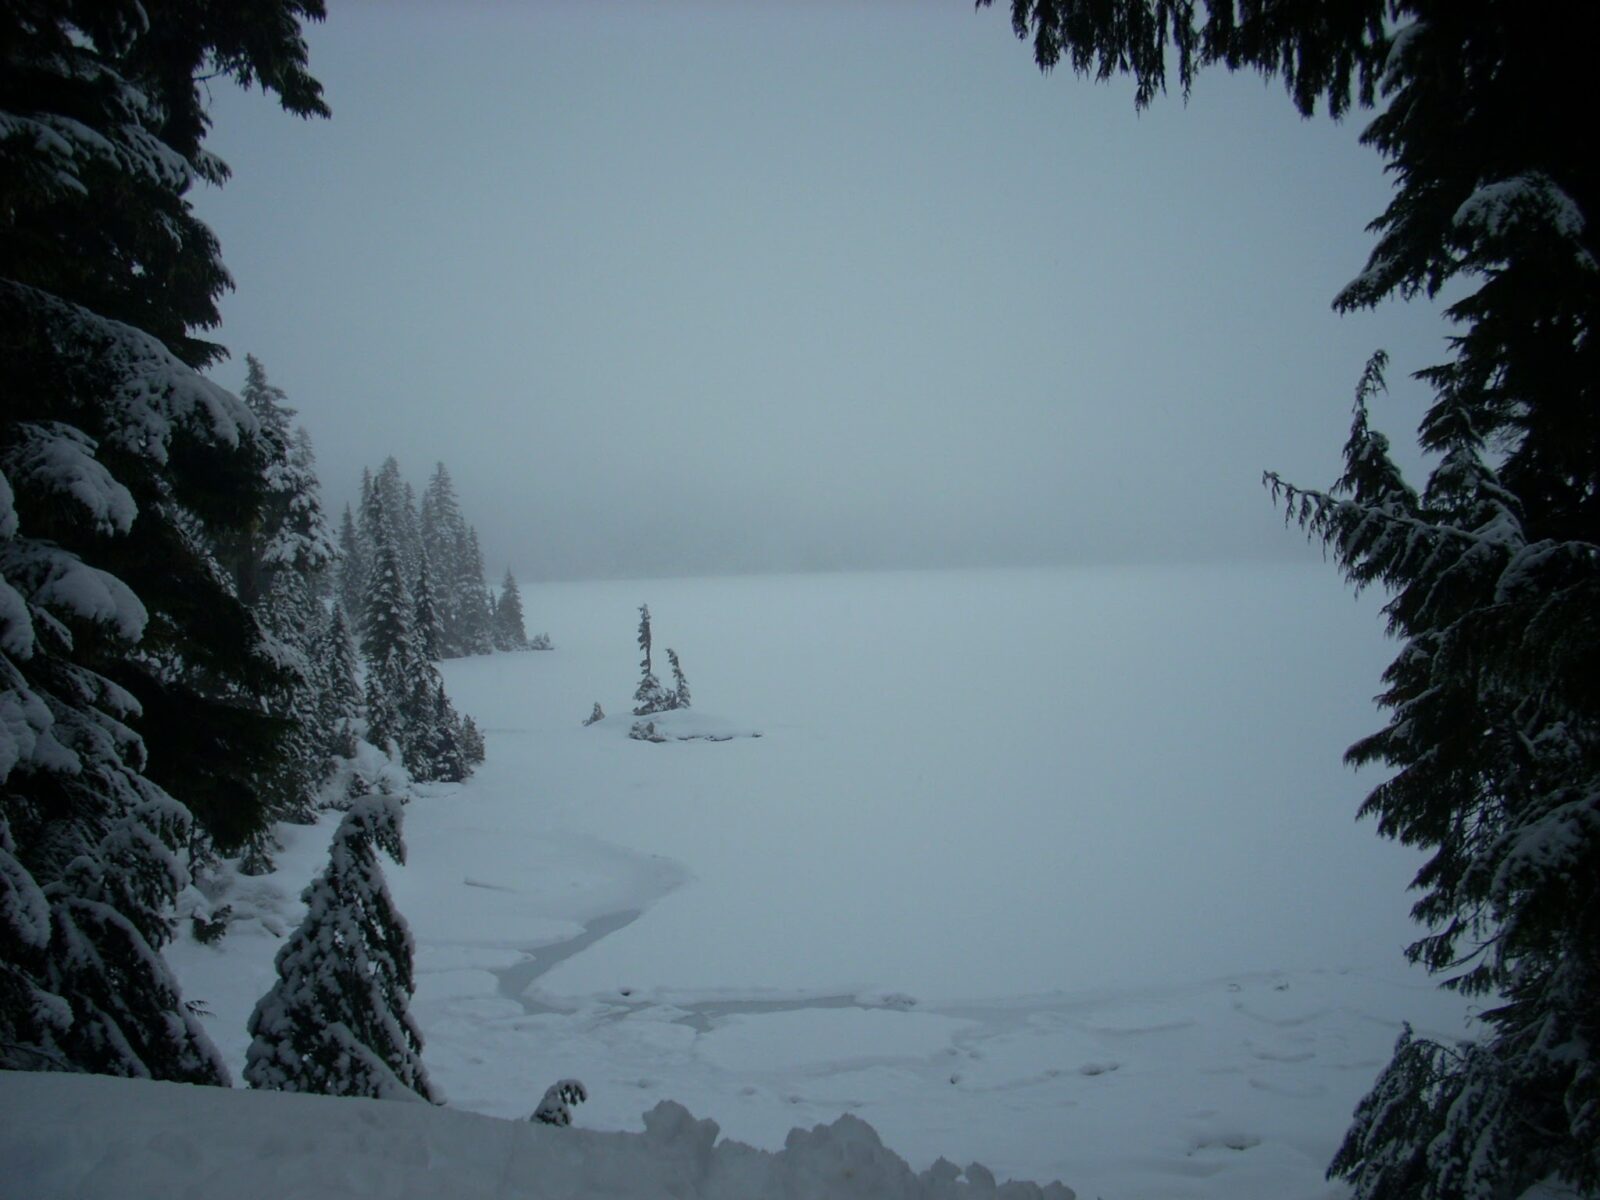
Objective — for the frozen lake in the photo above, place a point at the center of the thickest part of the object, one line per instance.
(1056, 870)
(971, 783)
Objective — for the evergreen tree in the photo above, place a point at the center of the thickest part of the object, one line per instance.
(472, 747)
(287, 546)
(472, 599)
(439, 521)
(387, 499)
(1493, 731)
(351, 579)
(289, 784)
(680, 685)
(338, 1021)
(129, 668)
(434, 742)
(465, 607)
(290, 529)
(556, 1106)
(408, 529)
(338, 691)
(428, 625)
(407, 710)
(386, 641)
(1494, 568)
(509, 631)
(649, 696)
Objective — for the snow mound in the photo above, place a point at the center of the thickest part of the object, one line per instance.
(686, 725)
(89, 1137)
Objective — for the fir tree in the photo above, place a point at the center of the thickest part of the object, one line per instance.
(440, 520)
(452, 546)
(397, 505)
(472, 747)
(386, 641)
(556, 1106)
(351, 579)
(509, 631)
(434, 743)
(290, 529)
(408, 529)
(407, 710)
(338, 690)
(287, 547)
(291, 618)
(472, 599)
(649, 697)
(1493, 730)
(127, 661)
(428, 625)
(337, 1022)
(680, 685)
(1494, 568)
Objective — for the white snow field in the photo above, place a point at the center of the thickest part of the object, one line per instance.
(1053, 870)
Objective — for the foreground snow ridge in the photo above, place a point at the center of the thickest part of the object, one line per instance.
(89, 1137)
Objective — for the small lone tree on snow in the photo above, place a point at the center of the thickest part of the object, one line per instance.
(337, 1022)
(553, 1109)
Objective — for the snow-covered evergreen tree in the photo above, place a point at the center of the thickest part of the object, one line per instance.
(127, 661)
(428, 625)
(472, 746)
(649, 697)
(680, 685)
(472, 599)
(433, 746)
(350, 583)
(452, 546)
(288, 547)
(408, 529)
(291, 530)
(556, 1106)
(338, 1021)
(291, 617)
(439, 520)
(509, 633)
(338, 688)
(1494, 626)
(397, 504)
(407, 710)
(386, 641)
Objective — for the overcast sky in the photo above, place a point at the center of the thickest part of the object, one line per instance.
(703, 287)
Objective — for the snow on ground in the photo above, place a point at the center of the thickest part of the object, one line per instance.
(1054, 870)
(120, 1139)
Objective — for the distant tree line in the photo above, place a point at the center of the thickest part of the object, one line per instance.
(436, 556)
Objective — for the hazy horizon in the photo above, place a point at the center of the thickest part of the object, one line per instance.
(718, 289)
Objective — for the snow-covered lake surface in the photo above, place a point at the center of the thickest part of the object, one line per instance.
(1054, 870)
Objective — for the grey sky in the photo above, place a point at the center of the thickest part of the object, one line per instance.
(716, 286)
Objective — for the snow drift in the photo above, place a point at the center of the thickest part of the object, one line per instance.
(89, 1137)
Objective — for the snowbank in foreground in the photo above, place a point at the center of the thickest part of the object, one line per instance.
(88, 1137)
